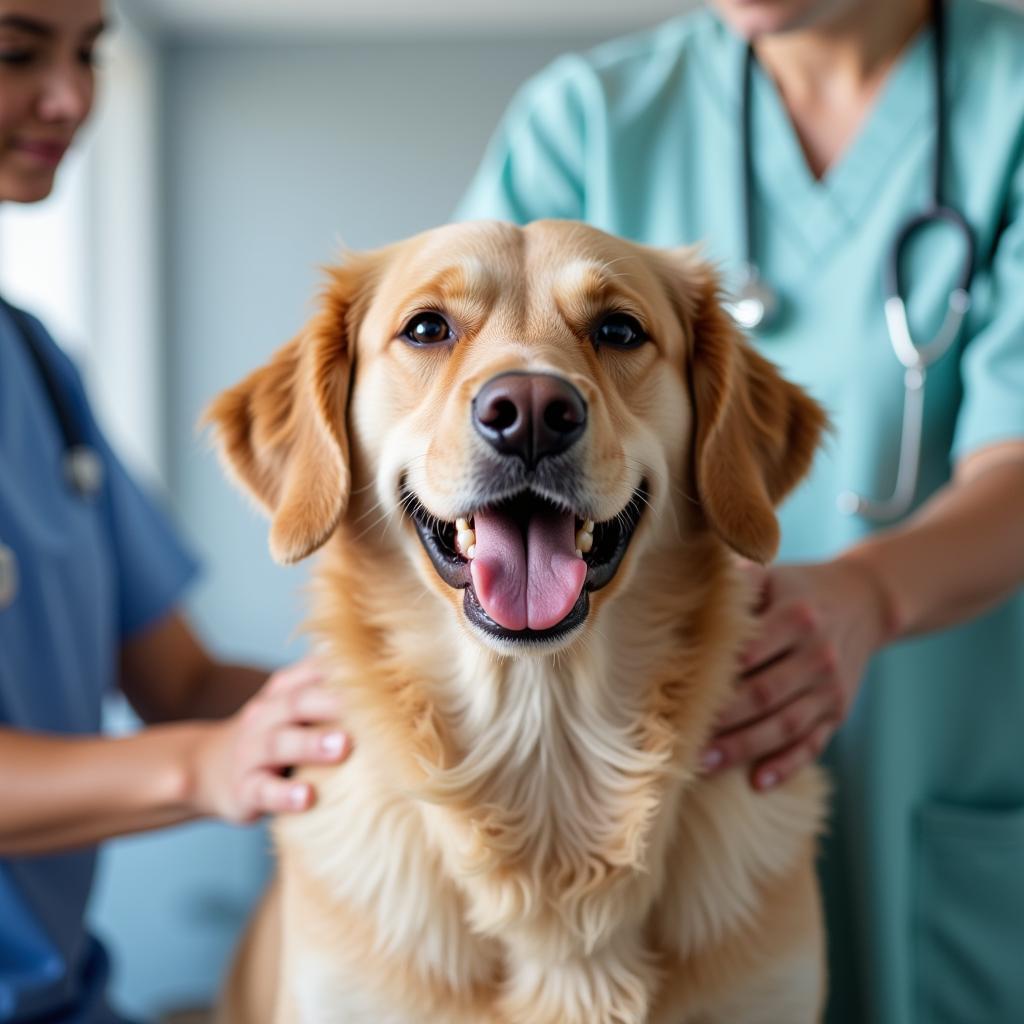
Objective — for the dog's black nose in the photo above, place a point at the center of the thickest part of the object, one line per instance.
(531, 415)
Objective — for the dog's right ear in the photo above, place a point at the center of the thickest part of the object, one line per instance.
(282, 434)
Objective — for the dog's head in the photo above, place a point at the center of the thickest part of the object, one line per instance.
(529, 406)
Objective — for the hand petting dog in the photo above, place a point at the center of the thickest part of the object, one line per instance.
(818, 626)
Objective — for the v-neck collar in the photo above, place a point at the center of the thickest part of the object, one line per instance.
(820, 213)
(825, 209)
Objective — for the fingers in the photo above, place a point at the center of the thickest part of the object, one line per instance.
(263, 790)
(291, 722)
(764, 691)
(310, 703)
(293, 727)
(799, 674)
(776, 769)
(296, 675)
(777, 731)
(266, 793)
(289, 746)
(780, 629)
(296, 702)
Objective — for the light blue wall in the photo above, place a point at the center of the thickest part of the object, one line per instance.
(272, 155)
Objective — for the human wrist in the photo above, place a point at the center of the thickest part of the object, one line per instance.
(182, 782)
(863, 564)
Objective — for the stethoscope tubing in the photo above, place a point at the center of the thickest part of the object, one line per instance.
(909, 352)
(756, 303)
(81, 464)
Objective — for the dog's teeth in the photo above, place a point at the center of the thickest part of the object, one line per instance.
(462, 525)
(585, 538)
(466, 541)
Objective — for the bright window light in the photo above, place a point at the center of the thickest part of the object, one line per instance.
(43, 265)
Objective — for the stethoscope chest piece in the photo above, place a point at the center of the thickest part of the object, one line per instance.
(8, 576)
(754, 305)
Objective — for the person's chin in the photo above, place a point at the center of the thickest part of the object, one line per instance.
(25, 188)
(753, 18)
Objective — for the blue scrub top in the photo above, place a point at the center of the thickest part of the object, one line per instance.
(91, 572)
(923, 867)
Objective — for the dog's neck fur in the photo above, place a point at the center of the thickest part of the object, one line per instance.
(550, 788)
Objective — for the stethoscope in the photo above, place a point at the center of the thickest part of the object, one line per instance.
(81, 465)
(755, 304)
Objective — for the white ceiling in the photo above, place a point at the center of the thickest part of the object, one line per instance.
(402, 17)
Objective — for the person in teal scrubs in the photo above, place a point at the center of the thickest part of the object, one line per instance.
(899, 646)
(90, 581)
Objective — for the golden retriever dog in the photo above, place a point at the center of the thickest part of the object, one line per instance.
(530, 457)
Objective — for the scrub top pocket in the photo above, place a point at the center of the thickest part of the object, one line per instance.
(969, 908)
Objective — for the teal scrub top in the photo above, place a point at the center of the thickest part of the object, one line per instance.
(923, 868)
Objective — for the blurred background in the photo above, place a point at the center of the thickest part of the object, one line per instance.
(239, 143)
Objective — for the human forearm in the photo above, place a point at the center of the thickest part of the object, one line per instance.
(168, 676)
(960, 555)
(61, 792)
(222, 691)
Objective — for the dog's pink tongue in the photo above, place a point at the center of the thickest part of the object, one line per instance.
(531, 585)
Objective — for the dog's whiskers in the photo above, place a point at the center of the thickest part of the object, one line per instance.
(384, 515)
(371, 509)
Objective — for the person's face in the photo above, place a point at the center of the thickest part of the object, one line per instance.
(753, 18)
(46, 88)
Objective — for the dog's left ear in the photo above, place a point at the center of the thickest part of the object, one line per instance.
(281, 431)
(755, 433)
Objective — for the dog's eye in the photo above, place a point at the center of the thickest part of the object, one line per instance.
(427, 329)
(619, 330)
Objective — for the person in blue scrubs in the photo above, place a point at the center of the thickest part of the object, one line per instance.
(89, 586)
(899, 646)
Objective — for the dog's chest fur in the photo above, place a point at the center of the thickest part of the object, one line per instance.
(496, 849)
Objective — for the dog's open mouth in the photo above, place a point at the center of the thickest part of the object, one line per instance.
(527, 565)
